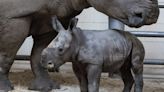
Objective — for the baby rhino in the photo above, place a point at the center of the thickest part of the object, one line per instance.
(92, 52)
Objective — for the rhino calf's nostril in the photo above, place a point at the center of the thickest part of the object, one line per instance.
(49, 63)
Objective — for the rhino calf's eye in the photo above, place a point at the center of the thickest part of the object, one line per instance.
(60, 49)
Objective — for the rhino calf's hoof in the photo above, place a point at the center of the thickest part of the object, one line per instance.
(43, 85)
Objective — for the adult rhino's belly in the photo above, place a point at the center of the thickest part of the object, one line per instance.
(18, 8)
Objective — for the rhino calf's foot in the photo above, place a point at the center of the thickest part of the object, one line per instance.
(43, 85)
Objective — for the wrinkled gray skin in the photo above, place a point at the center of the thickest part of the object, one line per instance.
(92, 52)
(22, 18)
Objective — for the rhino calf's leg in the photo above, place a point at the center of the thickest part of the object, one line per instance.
(42, 79)
(93, 76)
(81, 75)
(127, 78)
(137, 67)
(138, 82)
(12, 34)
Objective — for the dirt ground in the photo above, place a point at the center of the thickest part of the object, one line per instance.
(69, 82)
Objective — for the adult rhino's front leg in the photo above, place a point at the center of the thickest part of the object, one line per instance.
(42, 80)
(12, 34)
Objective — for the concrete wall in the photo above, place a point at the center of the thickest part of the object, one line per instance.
(26, 47)
(161, 2)
(91, 19)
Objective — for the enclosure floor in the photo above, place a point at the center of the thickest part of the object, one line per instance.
(69, 82)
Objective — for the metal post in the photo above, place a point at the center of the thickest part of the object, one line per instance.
(115, 24)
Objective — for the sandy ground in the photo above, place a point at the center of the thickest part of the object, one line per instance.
(69, 82)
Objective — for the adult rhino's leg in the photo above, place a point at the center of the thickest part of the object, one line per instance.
(42, 80)
(12, 34)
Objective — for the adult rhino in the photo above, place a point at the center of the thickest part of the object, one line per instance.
(22, 18)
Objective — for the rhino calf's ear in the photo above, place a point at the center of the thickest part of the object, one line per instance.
(73, 23)
(56, 24)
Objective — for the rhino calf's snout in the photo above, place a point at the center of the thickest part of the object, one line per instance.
(50, 64)
(46, 61)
